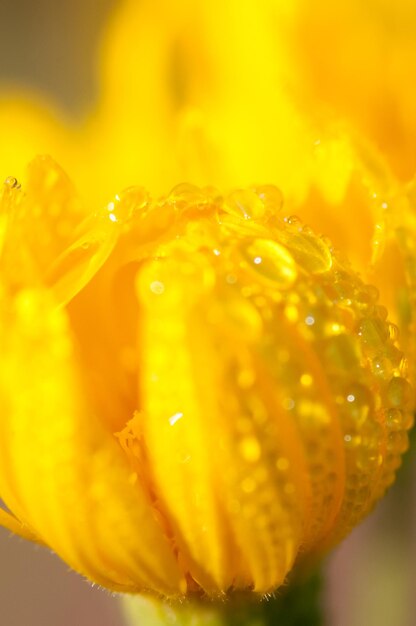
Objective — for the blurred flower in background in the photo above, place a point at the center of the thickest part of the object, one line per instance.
(315, 99)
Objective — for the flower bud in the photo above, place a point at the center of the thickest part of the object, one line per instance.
(196, 391)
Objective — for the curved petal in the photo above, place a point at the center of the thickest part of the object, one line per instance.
(62, 474)
(47, 236)
(208, 440)
(15, 526)
(177, 429)
(42, 217)
(29, 127)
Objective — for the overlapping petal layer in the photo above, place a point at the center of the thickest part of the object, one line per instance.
(198, 390)
(206, 390)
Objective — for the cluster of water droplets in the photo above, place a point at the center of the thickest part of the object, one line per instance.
(309, 400)
(303, 349)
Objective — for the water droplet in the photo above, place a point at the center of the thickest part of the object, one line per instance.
(157, 287)
(394, 442)
(393, 332)
(307, 230)
(293, 220)
(404, 367)
(327, 241)
(400, 393)
(394, 419)
(374, 334)
(187, 196)
(12, 182)
(308, 250)
(270, 261)
(240, 226)
(344, 292)
(271, 196)
(244, 204)
(126, 204)
(382, 366)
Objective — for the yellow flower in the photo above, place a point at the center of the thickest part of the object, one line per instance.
(195, 390)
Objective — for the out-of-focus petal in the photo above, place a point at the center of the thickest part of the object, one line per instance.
(357, 58)
(9, 521)
(29, 127)
(203, 107)
(61, 472)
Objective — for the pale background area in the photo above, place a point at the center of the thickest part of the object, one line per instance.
(372, 575)
(44, 43)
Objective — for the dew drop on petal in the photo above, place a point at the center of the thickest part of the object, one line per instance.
(187, 196)
(271, 196)
(244, 204)
(12, 182)
(400, 393)
(126, 204)
(308, 250)
(271, 261)
(395, 419)
(373, 333)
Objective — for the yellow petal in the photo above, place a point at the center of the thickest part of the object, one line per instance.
(15, 526)
(65, 474)
(185, 425)
(357, 57)
(202, 107)
(176, 428)
(29, 127)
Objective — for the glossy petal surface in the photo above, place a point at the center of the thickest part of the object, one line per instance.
(209, 390)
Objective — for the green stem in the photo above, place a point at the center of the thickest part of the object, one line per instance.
(295, 605)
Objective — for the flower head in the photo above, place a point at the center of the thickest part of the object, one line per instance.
(196, 390)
